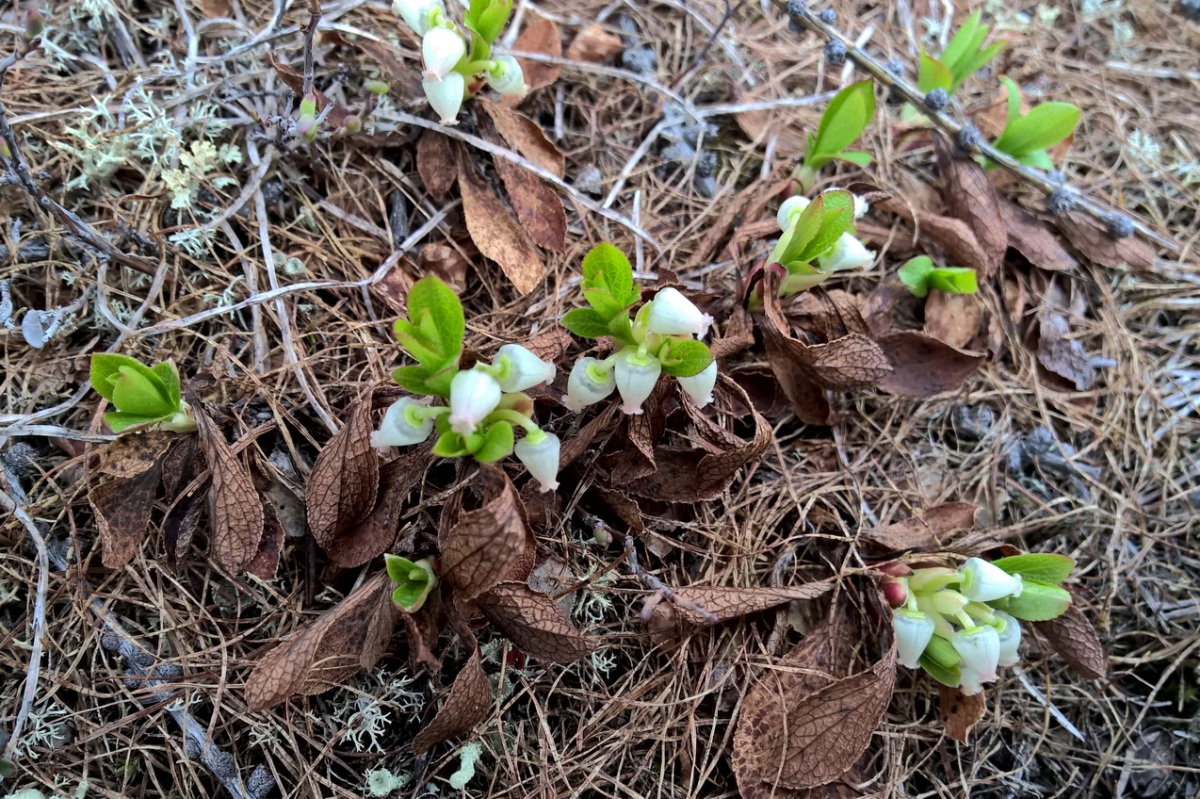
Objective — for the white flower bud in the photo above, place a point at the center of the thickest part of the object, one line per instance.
(473, 395)
(790, 211)
(402, 425)
(1010, 639)
(700, 385)
(446, 96)
(985, 582)
(590, 382)
(442, 48)
(979, 648)
(506, 77)
(861, 206)
(672, 314)
(848, 253)
(418, 14)
(968, 682)
(519, 369)
(539, 453)
(636, 375)
(914, 631)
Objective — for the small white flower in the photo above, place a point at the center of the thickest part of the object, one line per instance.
(446, 96)
(506, 77)
(590, 382)
(473, 395)
(442, 48)
(790, 211)
(672, 314)
(539, 453)
(848, 253)
(700, 385)
(519, 369)
(861, 206)
(636, 375)
(968, 682)
(418, 14)
(1010, 639)
(979, 648)
(402, 425)
(914, 631)
(985, 582)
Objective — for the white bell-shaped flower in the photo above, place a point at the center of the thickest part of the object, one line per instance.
(636, 375)
(446, 96)
(985, 582)
(539, 450)
(861, 206)
(700, 385)
(403, 425)
(442, 48)
(518, 369)
(848, 253)
(980, 650)
(418, 14)
(914, 631)
(969, 683)
(672, 314)
(473, 395)
(790, 211)
(590, 382)
(507, 77)
(1010, 639)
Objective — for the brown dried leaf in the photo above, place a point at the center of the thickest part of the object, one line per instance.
(237, 509)
(447, 263)
(551, 344)
(1074, 639)
(350, 636)
(927, 530)
(375, 534)
(961, 712)
(134, 453)
(737, 335)
(1096, 245)
(593, 45)
(497, 234)
(574, 447)
(485, 544)
(213, 9)
(467, 705)
(953, 319)
(850, 362)
(436, 163)
(526, 137)
(295, 81)
(265, 562)
(922, 366)
(955, 237)
(730, 603)
(971, 197)
(535, 623)
(1034, 240)
(789, 125)
(122, 507)
(1059, 352)
(540, 37)
(344, 480)
(538, 208)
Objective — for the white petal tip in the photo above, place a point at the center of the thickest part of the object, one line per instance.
(632, 410)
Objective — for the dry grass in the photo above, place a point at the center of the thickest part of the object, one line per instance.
(659, 721)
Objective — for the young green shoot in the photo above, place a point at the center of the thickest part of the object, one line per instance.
(920, 275)
(414, 581)
(844, 120)
(818, 239)
(963, 57)
(1027, 137)
(141, 395)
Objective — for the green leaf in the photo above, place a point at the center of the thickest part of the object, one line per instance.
(856, 157)
(1044, 568)
(497, 443)
(684, 357)
(946, 676)
(966, 40)
(118, 421)
(838, 218)
(1014, 100)
(843, 121)
(953, 280)
(585, 323)
(139, 391)
(915, 275)
(6, 768)
(608, 280)
(1043, 127)
(796, 238)
(1039, 159)
(1037, 602)
(106, 368)
(977, 61)
(450, 445)
(933, 75)
(433, 332)
(168, 373)
(413, 581)
(488, 18)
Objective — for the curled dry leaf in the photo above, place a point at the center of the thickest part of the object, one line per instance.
(497, 234)
(526, 137)
(927, 530)
(237, 509)
(132, 454)
(953, 319)
(122, 507)
(1059, 352)
(551, 344)
(955, 237)
(731, 603)
(344, 480)
(538, 208)
(540, 37)
(484, 545)
(574, 447)
(961, 712)
(265, 562)
(1074, 639)
(350, 636)
(922, 366)
(436, 163)
(373, 536)
(467, 705)
(535, 623)
(1096, 245)
(593, 45)
(1028, 236)
(972, 198)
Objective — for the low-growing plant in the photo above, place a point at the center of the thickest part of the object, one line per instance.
(414, 581)
(963, 57)
(920, 275)
(141, 395)
(818, 239)
(661, 338)
(844, 120)
(1027, 137)
(457, 65)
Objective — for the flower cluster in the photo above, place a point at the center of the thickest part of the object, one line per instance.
(961, 625)
(662, 337)
(454, 63)
(818, 239)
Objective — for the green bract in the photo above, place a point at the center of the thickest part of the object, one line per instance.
(844, 120)
(963, 57)
(1049, 569)
(433, 335)
(140, 394)
(413, 581)
(1027, 137)
(920, 275)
